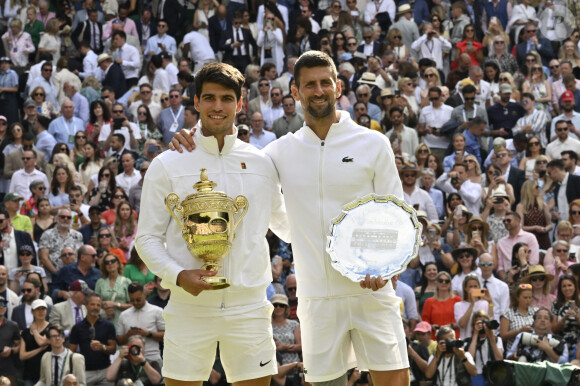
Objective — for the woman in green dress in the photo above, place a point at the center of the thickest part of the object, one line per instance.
(112, 287)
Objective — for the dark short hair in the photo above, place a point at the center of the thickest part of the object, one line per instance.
(222, 74)
(469, 89)
(395, 109)
(120, 137)
(556, 163)
(435, 89)
(56, 327)
(515, 214)
(157, 61)
(571, 153)
(528, 95)
(135, 287)
(120, 33)
(311, 59)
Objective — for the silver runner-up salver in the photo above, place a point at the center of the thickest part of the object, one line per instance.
(378, 235)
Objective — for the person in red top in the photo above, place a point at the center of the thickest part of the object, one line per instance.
(438, 310)
(471, 46)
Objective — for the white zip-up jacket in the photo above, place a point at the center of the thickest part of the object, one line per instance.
(239, 169)
(318, 178)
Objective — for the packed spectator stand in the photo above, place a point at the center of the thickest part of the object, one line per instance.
(480, 101)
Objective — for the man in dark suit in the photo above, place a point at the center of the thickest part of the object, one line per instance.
(534, 43)
(89, 30)
(516, 177)
(143, 23)
(368, 40)
(217, 26)
(21, 239)
(172, 12)
(30, 292)
(557, 172)
(236, 42)
(114, 76)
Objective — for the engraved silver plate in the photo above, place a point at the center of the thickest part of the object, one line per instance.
(378, 235)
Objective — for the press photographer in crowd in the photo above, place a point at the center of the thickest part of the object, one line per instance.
(539, 345)
(483, 345)
(131, 364)
(450, 365)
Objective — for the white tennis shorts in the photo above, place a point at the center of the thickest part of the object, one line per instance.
(247, 349)
(340, 333)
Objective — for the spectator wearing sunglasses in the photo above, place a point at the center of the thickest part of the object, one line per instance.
(54, 240)
(84, 269)
(439, 310)
(18, 275)
(497, 288)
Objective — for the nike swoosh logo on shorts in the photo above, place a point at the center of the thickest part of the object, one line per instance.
(264, 364)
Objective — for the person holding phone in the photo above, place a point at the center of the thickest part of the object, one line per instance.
(120, 125)
(471, 46)
(475, 299)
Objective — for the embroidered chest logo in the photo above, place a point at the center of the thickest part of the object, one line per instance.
(347, 159)
(243, 164)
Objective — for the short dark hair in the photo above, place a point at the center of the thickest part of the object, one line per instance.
(120, 33)
(528, 95)
(222, 74)
(266, 67)
(157, 61)
(469, 89)
(288, 96)
(395, 109)
(556, 163)
(120, 137)
(460, 164)
(560, 121)
(76, 188)
(135, 287)
(56, 327)
(515, 214)
(571, 153)
(435, 89)
(311, 59)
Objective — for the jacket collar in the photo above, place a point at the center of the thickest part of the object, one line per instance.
(210, 145)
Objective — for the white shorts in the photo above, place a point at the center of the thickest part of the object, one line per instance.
(247, 348)
(340, 333)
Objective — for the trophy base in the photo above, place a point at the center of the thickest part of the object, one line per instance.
(217, 282)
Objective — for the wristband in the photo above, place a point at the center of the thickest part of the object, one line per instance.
(464, 360)
(491, 304)
(150, 334)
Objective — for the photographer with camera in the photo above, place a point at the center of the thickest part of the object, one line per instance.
(450, 365)
(484, 346)
(539, 344)
(131, 364)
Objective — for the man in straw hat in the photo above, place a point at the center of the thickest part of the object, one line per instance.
(406, 25)
(337, 331)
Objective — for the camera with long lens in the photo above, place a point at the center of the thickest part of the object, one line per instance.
(450, 344)
(529, 339)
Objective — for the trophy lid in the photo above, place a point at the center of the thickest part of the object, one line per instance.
(205, 185)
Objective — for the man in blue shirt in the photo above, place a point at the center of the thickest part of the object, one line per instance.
(472, 133)
(64, 128)
(84, 269)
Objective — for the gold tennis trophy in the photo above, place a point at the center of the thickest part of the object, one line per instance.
(208, 223)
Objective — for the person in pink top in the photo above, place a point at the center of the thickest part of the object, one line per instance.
(128, 24)
(512, 223)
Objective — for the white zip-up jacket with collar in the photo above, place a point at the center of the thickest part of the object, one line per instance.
(318, 178)
(239, 169)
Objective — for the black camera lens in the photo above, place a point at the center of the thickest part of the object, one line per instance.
(134, 350)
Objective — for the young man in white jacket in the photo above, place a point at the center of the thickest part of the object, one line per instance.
(239, 317)
(329, 162)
